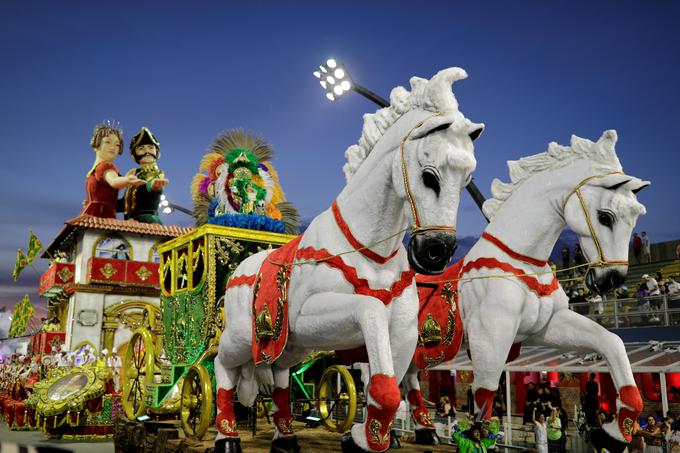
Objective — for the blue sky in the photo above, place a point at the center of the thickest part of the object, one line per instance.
(539, 71)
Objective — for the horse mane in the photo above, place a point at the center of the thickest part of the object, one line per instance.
(602, 154)
(432, 95)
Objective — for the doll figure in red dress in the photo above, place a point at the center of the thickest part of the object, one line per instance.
(103, 180)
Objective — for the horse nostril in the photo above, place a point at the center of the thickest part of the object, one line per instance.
(435, 252)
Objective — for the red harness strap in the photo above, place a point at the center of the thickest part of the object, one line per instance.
(518, 256)
(360, 284)
(532, 282)
(241, 280)
(368, 253)
(350, 274)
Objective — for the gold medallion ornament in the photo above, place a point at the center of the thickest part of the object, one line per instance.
(65, 274)
(108, 270)
(263, 325)
(430, 332)
(143, 273)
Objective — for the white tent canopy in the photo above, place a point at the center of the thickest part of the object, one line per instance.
(652, 357)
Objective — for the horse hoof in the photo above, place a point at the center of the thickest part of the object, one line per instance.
(427, 436)
(395, 443)
(349, 446)
(285, 444)
(228, 445)
(602, 440)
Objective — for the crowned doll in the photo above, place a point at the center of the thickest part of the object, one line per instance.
(103, 180)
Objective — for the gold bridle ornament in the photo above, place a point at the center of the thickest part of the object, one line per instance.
(601, 260)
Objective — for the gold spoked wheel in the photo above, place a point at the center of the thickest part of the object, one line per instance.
(197, 401)
(138, 369)
(337, 399)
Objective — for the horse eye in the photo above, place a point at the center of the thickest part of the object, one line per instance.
(605, 218)
(431, 181)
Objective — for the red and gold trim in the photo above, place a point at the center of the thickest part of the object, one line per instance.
(358, 246)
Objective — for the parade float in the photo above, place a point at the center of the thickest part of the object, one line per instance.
(211, 315)
(240, 209)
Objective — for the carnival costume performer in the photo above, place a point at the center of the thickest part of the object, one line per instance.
(471, 441)
(141, 202)
(115, 363)
(103, 179)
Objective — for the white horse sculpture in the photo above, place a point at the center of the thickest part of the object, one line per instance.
(506, 290)
(408, 168)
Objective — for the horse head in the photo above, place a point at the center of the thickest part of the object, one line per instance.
(430, 142)
(602, 210)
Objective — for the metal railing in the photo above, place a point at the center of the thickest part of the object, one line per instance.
(650, 311)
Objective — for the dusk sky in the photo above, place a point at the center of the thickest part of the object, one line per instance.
(538, 72)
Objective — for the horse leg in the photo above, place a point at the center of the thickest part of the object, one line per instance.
(227, 440)
(425, 430)
(567, 329)
(338, 318)
(490, 340)
(284, 440)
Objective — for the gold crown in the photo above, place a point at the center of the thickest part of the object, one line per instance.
(430, 331)
(263, 325)
(243, 173)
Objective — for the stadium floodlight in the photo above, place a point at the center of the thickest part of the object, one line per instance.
(167, 208)
(336, 80)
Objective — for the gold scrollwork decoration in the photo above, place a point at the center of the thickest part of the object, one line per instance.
(433, 361)
(108, 271)
(449, 293)
(143, 273)
(374, 428)
(65, 274)
(450, 327)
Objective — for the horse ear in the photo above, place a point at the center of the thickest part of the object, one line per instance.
(618, 184)
(640, 185)
(475, 130)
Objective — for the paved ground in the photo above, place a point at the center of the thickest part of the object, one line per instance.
(38, 438)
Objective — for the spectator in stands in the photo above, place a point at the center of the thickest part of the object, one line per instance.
(646, 248)
(677, 252)
(580, 299)
(637, 247)
(598, 305)
(653, 439)
(579, 259)
(653, 290)
(566, 262)
(532, 398)
(673, 437)
(673, 287)
(643, 303)
(592, 403)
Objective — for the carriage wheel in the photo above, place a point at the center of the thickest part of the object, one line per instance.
(138, 370)
(197, 402)
(337, 399)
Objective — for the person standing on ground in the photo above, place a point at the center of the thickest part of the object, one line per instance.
(646, 248)
(592, 400)
(541, 433)
(637, 247)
